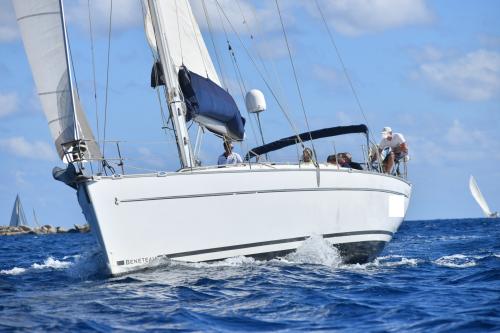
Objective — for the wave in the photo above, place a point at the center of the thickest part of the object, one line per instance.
(13, 271)
(315, 250)
(395, 260)
(457, 261)
(48, 263)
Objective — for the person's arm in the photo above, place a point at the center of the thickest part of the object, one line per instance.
(238, 158)
(403, 147)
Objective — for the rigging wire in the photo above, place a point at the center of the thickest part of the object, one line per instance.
(209, 24)
(107, 82)
(344, 69)
(239, 76)
(94, 76)
(295, 75)
(280, 106)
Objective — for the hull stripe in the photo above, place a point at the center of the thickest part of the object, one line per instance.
(219, 194)
(273, 242)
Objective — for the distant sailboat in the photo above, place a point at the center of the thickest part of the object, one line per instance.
(18, 217)
(35, 219)
(476, 193)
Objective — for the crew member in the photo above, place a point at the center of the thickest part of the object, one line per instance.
(395, 148)
(228, 156)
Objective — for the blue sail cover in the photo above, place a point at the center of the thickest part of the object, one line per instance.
(206, 99)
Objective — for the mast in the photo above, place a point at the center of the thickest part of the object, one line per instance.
(175, 103)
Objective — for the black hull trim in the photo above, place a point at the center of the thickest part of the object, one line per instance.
(351, 253)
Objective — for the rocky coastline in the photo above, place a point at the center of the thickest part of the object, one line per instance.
(43, 230)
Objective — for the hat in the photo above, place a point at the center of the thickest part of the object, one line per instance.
(386, 130)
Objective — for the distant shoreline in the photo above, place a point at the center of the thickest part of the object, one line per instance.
(43, 230)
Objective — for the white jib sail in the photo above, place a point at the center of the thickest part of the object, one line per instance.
(18, 217)
(185, 42)
(476, 193)
(42, 31)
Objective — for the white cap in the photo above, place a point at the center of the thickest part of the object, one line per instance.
(386, 130)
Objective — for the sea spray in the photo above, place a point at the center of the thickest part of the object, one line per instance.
(315, 250)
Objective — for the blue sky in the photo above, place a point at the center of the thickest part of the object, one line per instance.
(428, 69)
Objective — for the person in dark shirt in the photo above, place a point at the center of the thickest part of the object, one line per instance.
(348, 162)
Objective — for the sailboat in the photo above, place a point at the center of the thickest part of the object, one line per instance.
(258, 209)
(478, 196)
(18, 218)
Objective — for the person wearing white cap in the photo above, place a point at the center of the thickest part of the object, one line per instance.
(395, 145)
(228, 156)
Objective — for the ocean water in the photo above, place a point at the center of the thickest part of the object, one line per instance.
(435, 276)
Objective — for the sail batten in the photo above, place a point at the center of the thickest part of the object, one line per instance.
(42, 29)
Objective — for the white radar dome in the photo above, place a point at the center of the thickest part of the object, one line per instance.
(255, 101)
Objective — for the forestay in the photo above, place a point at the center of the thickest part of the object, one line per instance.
(43, 34)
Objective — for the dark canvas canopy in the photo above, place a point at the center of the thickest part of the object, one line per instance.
(318, 134)
(205, 99)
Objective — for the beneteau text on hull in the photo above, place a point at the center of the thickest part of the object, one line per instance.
(259, 209)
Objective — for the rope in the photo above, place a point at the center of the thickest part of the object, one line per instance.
(107, 80)
(209, 24)
(280, 106)
(344, 69)
(239, 77)
(296, 78)
(93, 73)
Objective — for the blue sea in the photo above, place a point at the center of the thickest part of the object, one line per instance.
(435, 276)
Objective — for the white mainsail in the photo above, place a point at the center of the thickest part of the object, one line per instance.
(18, 217)
(185, 42)
(43, 33)
(476, 193)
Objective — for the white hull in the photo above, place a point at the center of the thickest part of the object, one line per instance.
(214, 214)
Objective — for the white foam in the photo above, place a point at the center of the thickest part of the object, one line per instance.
(315, 250)
(456, 261)
(52, 263)
(394, 261)
(13, 271)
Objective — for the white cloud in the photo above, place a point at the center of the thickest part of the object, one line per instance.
(8, 25)
(246, 18)
(126, 14)
(343, 118)
(458, 135)
(427, 53)
(21, 147)
(8, 104)
(458, 145)
(472, 77)
(149, 158)
(357, 17)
